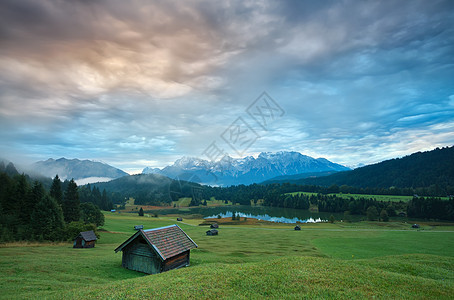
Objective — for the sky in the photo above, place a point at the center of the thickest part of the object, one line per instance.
(142, 83)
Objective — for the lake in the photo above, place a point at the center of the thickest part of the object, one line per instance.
(272, 214)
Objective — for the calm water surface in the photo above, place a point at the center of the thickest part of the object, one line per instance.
(272, 214)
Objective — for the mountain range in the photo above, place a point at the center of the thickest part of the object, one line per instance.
(82, 171)
(247, 170)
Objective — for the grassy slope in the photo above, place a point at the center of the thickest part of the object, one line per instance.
(243, 262)
(297, 278)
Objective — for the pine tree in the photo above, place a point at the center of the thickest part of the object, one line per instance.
(55, 190)
(6, 188)
(71, 203)
(141, 212)
(17, 201)
(96, 196)
(105, 203)
(47, 220)
(34, 196)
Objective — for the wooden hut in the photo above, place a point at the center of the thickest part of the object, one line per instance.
(85, 239)
(214, 225)
(157, 250)
(180, 219)
(297, 227)
(212, 232)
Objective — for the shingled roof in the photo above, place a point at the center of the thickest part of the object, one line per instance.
(168, 241)
(88, 236)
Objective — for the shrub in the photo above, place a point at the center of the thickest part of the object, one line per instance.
(372, 213)
(73, 229)
(384, 216)
(331, 219)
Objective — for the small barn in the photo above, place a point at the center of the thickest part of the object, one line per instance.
(157, 250)
(212, 232)
(85, 239)
(297, 227)
(214, 225)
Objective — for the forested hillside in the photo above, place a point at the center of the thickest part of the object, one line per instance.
(30, 211)
(152, 189)
(429, 173)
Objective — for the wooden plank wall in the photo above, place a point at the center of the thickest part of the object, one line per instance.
(178, 261)
(140, 257)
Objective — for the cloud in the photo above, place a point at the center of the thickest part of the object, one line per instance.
(128, 82)
(451, 100)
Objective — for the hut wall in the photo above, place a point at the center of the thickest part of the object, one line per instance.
(90, 244)
(78, 242)
(177, 261)
(140, 257)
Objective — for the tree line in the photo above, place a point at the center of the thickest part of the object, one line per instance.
(30, 212)
(431, 208)
(87, 193)
(324, 200)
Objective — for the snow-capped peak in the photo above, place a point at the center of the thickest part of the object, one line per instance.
(248, 169)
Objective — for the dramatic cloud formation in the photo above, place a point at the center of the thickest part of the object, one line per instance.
(141, 83)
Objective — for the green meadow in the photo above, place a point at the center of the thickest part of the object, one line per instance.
(362, 260)
(392, 198)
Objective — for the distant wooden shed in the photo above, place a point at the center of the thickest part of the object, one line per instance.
(157, 250)
(297, 227)
(212, 232)
(214, 225)
(180, 219)
(85, 239)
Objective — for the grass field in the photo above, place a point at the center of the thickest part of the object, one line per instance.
(341, 261)
(130, 206)
(356, 196)
(184, 202)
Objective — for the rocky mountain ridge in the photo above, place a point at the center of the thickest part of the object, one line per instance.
(247, 170)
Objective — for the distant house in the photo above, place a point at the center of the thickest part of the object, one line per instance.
(214, 225)
(157, 250)
(212, 232)
(85, 239)
(297, 227)
(180, 219)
